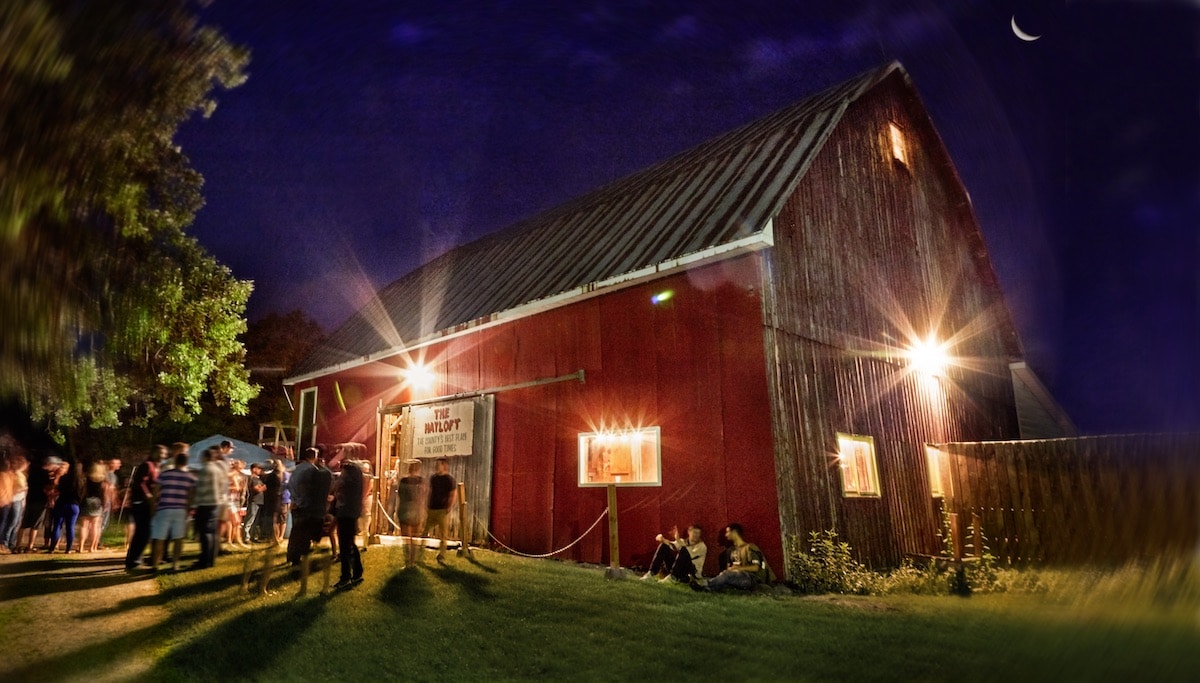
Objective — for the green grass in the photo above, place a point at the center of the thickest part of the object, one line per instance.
(502, 617)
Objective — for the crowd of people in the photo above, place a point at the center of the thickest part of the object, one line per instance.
(68, 503)
(226, 505)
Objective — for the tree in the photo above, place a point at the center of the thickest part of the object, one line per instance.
(109, 311)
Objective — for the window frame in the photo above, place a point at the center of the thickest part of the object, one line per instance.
(898, 144)
(871, 462)
(302, 403)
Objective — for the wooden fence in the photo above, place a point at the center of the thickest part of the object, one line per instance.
(1094, 500)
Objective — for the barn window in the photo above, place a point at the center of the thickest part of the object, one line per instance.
(934, 456)
(899, 145)
(856, 459)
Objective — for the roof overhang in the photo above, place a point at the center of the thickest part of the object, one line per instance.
(756, 241)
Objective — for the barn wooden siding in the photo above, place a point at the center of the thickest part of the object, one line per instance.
(1103, 499)
(864, 249)
(692, 365)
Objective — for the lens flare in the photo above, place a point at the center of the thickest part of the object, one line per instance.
(929, 357)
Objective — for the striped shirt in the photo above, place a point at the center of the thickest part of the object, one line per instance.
(174, 487)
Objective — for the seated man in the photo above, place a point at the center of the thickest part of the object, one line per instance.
(747, 569)
(683, 558)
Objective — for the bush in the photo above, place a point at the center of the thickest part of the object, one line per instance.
(827, 566)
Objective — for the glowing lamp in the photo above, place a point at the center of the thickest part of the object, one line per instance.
(662, 296)
(928, 358)
(419, 376)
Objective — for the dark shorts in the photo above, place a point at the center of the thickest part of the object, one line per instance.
(33, 513)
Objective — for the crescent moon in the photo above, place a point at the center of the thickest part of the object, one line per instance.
(1021, 34)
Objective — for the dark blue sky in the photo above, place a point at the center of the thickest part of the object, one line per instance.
(371, 136)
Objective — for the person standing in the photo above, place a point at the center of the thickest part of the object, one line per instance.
(66, 506)
(408, 511)
(36, 502)
(8, 486)
(255, 489)
(92, 508)
(443, 491)
(20, 469)
(309, 486)
(175, 493)
(212, 484)
(112, 466)
(272, 499)
(348, 493)
(141, 504)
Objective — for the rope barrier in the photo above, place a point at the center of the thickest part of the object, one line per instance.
(543, 555)
(385, 514)
(501, 543)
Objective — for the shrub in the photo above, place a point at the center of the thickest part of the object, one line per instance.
(827, 566)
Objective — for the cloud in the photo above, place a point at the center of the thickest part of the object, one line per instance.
(848, 37)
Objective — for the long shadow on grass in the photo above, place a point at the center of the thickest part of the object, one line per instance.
(95, 658)
(475, 586)
(475, 561)
(43, 584)
(405, 589)
(48, 563)
(211, 657)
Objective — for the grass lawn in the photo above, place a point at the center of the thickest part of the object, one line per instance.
(502, 617)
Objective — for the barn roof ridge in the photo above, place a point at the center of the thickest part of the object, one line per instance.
(722, 192)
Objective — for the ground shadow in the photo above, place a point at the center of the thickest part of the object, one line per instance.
(475, 561)
(43, 584)
(406, 589)
(262, 629)
(48, 563)
(475, 586)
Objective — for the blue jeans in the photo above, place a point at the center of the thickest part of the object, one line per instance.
(9, 514)
(68, 515)
(731, 579)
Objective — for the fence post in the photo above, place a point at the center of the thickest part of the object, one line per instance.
(464, 539)
(614, 570)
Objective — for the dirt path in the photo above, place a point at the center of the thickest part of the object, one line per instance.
(60, 612)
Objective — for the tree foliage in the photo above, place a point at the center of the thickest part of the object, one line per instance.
(109, 311)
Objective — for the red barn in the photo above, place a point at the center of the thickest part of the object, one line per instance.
(768, 310)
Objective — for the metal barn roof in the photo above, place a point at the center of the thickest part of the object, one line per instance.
(720, 193)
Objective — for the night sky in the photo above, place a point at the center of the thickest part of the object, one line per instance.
(372, 136)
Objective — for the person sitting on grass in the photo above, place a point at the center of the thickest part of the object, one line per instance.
(747, 570)
(683, 558)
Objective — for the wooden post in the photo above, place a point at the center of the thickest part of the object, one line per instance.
(614, 570)
(464, 539)
(956, 537)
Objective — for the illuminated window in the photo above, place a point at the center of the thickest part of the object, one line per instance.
(856, 458)
(934, 457)
(626, 458)
(899, 148)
